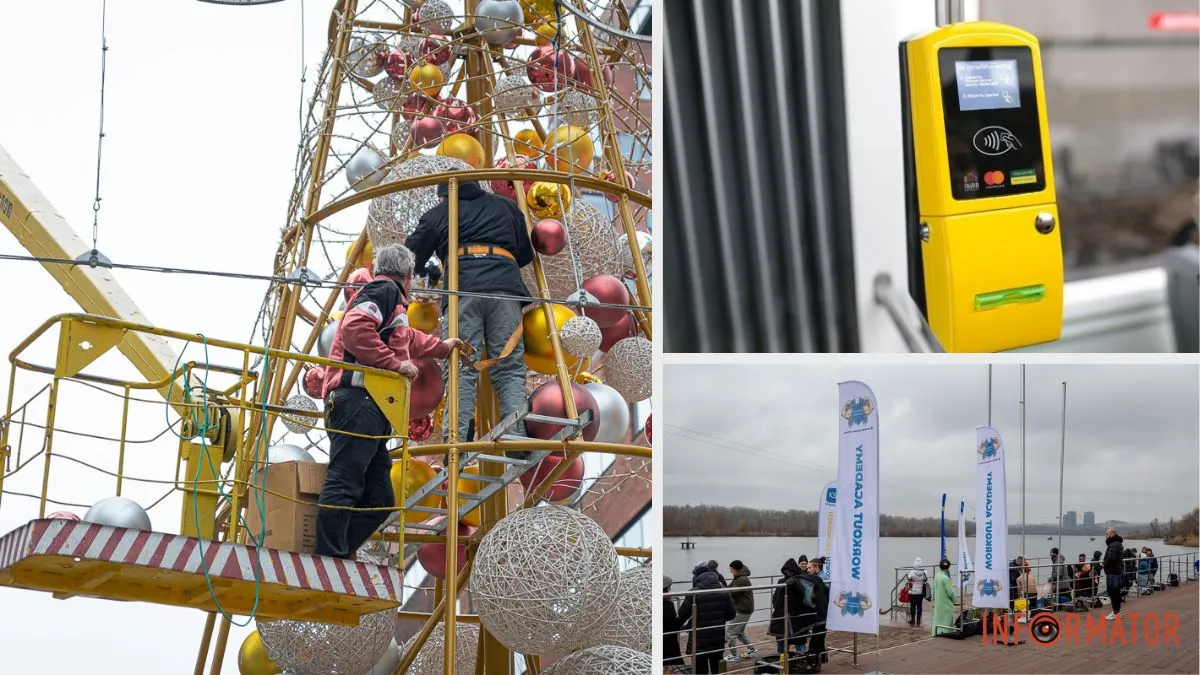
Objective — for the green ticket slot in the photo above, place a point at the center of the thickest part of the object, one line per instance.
(1012, 296)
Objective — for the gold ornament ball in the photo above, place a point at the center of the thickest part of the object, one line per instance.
(473, 518)
(538, 11)
(253, 658)
(549, 200)
(539, 352)
(423, 316)
(428, 78)
(404, 484)
(546, 33)
(569, 147)
(464, 147)
(527, 143)
(365, 258)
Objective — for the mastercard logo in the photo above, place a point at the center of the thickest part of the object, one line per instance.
(993, 178)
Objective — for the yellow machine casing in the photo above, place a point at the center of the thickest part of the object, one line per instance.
(990, 274)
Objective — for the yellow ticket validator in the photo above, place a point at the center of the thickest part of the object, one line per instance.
(984, 247)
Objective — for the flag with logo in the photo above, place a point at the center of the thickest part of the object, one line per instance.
(964, 557)
(991, 521)
(853, 603)
(825, 515)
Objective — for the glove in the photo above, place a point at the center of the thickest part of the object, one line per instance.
(434, 273)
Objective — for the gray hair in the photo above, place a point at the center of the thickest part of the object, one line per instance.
(394, 260)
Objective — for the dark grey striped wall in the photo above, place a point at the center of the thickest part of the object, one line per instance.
(758, 251)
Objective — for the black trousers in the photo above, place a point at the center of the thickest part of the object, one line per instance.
(916, 604)
(1114, 582)
(708, 663)
(359, 473)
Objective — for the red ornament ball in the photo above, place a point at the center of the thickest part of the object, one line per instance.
(564, 487)
(549, 237)
(427, 131)
(427, 390)
(548, 400)
(435, 49)
(397, 64)
(649, 434)
(623, 328)
(548, 69)
(433, 556)
(609, 290)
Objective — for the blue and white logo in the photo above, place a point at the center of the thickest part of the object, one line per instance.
(857, 410)
(831, 496)
(989, 447)
(853, 604)
(989, 587)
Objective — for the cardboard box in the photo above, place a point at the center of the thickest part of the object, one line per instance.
(288, 525)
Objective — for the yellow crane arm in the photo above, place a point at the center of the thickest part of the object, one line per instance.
(43, 231)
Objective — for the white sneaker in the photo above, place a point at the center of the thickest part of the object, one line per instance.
(1111, 616)
(751, 651)
(733, 657)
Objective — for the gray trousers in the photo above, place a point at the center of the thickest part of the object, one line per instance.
(736, 630)
(493, 321)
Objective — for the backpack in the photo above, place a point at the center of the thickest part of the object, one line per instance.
(807, 593)
(1173, 579)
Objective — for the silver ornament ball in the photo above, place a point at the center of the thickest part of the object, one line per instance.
(499, 21)
(362, 57)
(299, 424)
(325, 341)
(614, 413)
(364, 169)
(118, 512)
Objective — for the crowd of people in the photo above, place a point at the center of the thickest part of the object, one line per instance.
(714, 622)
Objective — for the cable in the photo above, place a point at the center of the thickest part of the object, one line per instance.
(100, 142)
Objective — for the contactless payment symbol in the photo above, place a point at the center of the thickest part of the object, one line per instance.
(994, 140)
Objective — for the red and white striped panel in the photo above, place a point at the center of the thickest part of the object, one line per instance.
(183, 554)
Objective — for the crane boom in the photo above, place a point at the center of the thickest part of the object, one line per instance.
(45, 233)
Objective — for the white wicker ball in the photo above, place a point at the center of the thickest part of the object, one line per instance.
(431, 659)
(592, 250)
(629, 368)
(579, 109)
(515, 93)
(309, 648)
(400, 132)
(392, 217)
(545, 580)
(630, 625)
(580, 336)
(603, 660)
(436, 17)
(298, 424)
(388, 95)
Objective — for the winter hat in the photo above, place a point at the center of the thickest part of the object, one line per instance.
(917, 562)
(667, 581)
(712, 565)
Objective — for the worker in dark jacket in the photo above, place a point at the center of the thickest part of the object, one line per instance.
(743, 607)
(493, 246)
(671, 624)
(1114, 571)
(788, 608)
(359, 473)
(816, 637)
(712, 611)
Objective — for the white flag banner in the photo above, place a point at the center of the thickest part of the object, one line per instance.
(825, 516)
(991, 521)
(853, 606)
(964, 557)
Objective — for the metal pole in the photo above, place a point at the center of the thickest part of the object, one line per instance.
(1062, 459)
(949, 11)
(1023, 549)
(452, 414)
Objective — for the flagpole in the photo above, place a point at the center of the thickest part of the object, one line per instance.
(1024, 551)
(1062, 459)
(943, 528)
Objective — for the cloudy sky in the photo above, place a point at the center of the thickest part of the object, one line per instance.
(766, 436)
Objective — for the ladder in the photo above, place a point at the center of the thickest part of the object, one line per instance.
(516, 467)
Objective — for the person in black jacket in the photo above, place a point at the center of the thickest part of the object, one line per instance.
(787, 626)
(493, 246)
(671, 624)
(1114, 571)
(816, 638)
(713, 610)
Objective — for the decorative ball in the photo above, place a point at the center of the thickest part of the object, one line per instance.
(608, 290)
(63, 515)
(362, 57)
(549, 236)
(499, 21)
(538, 11)
(287, 452)
(423, 316)
(427, 390)
(364, 169)
(603, 660)
(614, 413)
(413, 105)
(310, 648)
(549, 69)
(118, 512)
(579, 109)
(314, 382)
(400, 132)
(392, 217)
(253, 659)
(547, 400)
(388, 95)
(611, 177)
(426, 131)
(465, 484)
(548, 200)
(628, 368)
(464, 147)
(388, 661)
(433, 556)
(456, 115)
(545, 580)
(427, 77)
(365, 258)
(564, 487)
(649, 428)
(506, 188)
(299, 424)
(435, 17)
(325, 341)
(435, 49)
(404, 484)
(514, 93)
(645, 244)
(630, 625)
(528, 143)
(592, 250)
(539, 351)
(545, 33)
(580, 336)
(569, 148)
(396, 64)
(625, 327)
(431, 660)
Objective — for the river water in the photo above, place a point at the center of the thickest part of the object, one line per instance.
(765, 555)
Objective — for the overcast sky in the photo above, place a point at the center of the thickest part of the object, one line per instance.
(766, 436)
